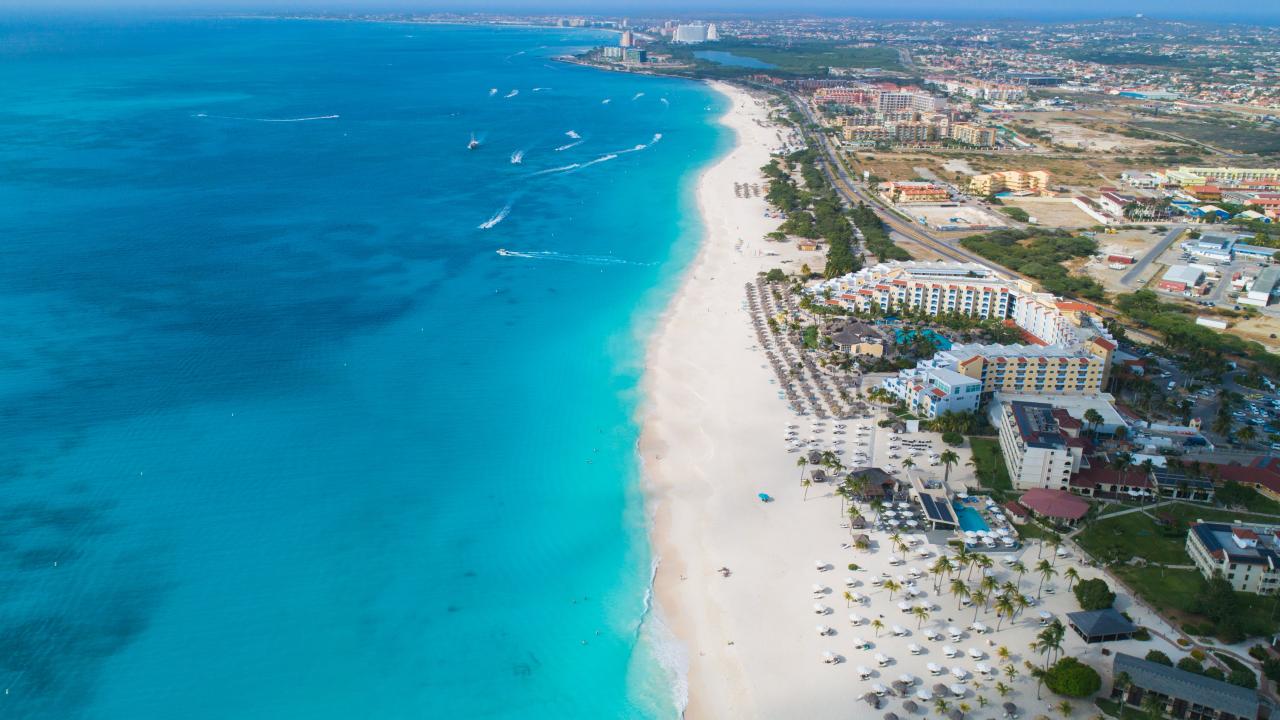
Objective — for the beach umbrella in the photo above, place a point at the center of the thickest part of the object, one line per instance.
(881, 659)
(957, 690)
(914, 649)
(907, 678)
(828, 657)
(975, 653)
(890, 716)
(872, 700)
(820, 564)
(859, 644)
(820, 609)
(924, 695)
(959, 673)
(978, 628)
(904, 606)
(819, 589)
(899, 687)
(1010, 710)
(955, 714)
(983, 668)
(855, 618)
(863, 672)
(899, 630)
(953, 630)
(824, 630)
(910, 706)
(879, 689)
(1046, 615)
(850, 582)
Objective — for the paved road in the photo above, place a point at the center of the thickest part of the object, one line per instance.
(846, 188)
(1151, 255)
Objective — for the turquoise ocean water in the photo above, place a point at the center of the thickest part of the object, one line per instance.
(283, 435)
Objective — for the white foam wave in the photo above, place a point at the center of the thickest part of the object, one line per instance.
(517, 157)
(497, 218)
(671, 655)
(637, 96)
(573, 135)
(576, 143)
(606, 101)
(665, 101)
(597, 161)
(493, 91)
(541, 89)
(269, 120)
(512, 94)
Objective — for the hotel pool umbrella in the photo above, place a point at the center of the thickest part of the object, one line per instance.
(912, 523)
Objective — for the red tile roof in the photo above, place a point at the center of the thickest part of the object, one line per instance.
(1054, 503)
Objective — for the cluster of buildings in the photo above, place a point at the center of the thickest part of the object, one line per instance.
(1067, 350)
(692, 33)
(983, 91)
(888, 114)
(1199, 192)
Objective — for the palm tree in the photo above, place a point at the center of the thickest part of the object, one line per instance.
(802, 462)
(963, 708)
(1003, 690)
(921, 615)
(1020, 568)
(989, 585)
(1011, 672)
(806, 484)
(979, 602)
(1064, 708)
(848, 599)
(1020, 601)
(1072, 575)
(941, 566)
(961, 591)
(1038, 674)
(1004, 608)
(892, 586)
(1046, 571)
(948, 458)
(941, 706)
(1002, 652)
(1094, 419)
(877, 626)
(1055, 544)
(908, 463)
(983, 701)
(877, 506)
(1152, 706)
(1245, 435)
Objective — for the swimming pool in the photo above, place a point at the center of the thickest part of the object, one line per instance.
(969, 518)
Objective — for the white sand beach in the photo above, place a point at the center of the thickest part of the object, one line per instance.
(712, 439)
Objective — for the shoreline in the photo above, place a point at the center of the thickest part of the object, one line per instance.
(683, 599)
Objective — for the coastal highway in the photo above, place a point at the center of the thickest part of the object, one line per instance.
(851, 193)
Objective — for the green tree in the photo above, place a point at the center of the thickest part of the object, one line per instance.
(1071, 678)
(1094, 594)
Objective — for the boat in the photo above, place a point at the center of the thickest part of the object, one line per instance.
(504, 252)
(517, 157)
(474, 143)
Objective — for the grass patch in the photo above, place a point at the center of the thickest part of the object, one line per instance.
(989, 464)
(1032, 530)
(1135, 534)
(1016, 213)
(1250, 499)
(1113, 708)
(1172, 592)
(1245, 137)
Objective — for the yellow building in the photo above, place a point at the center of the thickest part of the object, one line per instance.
(900, 193)
(867, 133)
(1036, 181)
(976, 135)
(1032, 369)
(1225, 175)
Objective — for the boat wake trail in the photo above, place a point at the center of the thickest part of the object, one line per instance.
(573, 144)
(599, 260)
(497, 218)
(637, 96)
(270, 120)
(646, 146)
(606, 101)
(512, 94)
(665, 102)
(541, 89)
(597, 161)
(564, 168)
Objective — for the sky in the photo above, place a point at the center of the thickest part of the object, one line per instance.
(1267, 11)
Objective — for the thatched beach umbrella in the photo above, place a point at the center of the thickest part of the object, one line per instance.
(910, 706)
(890, 716)
(955, 714)
(1010, 710)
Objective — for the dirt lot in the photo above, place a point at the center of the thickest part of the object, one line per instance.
(951, 216)
(1135, 243)
(1053, 212)
(1260, 329)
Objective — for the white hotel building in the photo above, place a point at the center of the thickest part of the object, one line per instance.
(1067, 352)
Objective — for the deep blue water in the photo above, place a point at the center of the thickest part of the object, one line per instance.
(727, 58)
(283, 436)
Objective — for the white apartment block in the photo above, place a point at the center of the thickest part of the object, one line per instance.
(1246, 556)
(1037, 453)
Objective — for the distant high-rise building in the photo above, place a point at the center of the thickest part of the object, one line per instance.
(713, 34)
(691, 34)
(628, 40)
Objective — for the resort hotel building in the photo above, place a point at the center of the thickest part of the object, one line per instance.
(1245, 556)
(1067, 352)
(1038, 451)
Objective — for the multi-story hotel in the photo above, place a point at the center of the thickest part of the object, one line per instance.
(1036, 181)
(1246, 556)
(843, 96)
(1037, 452)
(970, 134)
(931, 391)
(1067, 353)
(1187, 175)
